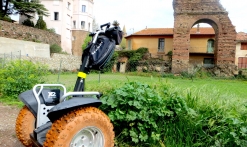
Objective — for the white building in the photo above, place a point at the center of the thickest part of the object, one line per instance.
(83, 15)
(65, 16)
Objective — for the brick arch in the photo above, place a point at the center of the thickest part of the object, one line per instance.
(187, 13)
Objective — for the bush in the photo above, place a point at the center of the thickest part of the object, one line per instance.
(28, 22)
(6, 18)
(138, 113)
(54, 48)
(86, 41)
(41, 24)
(19, 76)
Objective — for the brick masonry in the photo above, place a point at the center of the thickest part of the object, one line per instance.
(21, 32)
(187, 13)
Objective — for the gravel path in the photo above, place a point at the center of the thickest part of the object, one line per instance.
(8, 115)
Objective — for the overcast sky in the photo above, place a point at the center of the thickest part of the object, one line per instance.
(139, 14)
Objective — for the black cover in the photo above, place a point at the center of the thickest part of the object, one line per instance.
(116, 34)
(100, 52)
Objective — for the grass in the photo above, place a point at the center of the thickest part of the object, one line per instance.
(218, 113)
(228, 87)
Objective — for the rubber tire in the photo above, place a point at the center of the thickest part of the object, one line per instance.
(64, 129)
(25, 124)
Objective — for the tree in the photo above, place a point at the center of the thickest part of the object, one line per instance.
(86, 41)
(41, 24)
(95, 25)
(123, 43)
(28, 22)
(22, 7)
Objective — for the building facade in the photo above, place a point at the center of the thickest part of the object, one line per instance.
(202, 50)
(66, 16)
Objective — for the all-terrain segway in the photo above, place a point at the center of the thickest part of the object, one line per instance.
(53, 117)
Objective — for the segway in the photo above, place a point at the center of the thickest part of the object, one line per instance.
(53, 117)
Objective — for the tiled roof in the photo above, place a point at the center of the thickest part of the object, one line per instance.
(241, 36)
(169, 31)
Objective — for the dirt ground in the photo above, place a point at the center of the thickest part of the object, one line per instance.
(8, 115)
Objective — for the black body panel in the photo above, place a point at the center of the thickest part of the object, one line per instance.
(62, 108)
(30, 101)
(39, 134)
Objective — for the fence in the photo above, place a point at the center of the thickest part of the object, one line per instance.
(6, 57)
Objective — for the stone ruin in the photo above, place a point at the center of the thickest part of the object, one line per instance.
(187, 13)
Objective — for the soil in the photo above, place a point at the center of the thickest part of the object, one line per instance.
(8, 115)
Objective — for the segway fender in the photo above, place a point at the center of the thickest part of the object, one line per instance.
(62, 108)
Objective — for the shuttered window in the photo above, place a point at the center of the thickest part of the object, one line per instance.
(243, 46)
(242, 63)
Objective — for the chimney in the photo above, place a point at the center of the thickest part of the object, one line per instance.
(198, 28)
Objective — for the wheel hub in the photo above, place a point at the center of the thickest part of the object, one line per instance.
(88, 137)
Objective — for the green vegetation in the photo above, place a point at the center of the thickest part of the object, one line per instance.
(41, 24)
(134, 57)
(28, 22)
(170, 111)
(26, 8)
(54, 48)
(86, 41)
(19, 76)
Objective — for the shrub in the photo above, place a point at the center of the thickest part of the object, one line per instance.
(86, 41)
(28, 22)
(138, 113)
(52, 30)
(6, 18)
(41, 24)
(19, 76)
(54, 48)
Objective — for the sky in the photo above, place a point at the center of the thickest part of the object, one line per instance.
(136, 15)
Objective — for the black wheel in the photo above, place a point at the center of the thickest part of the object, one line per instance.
(83, 127)
(25, 124)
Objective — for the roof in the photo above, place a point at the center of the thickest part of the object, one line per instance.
(169, 31)
(242, 37)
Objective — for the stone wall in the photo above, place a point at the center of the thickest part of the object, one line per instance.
(187, 13)
(24, 48)
(21, 32)
(67, 62)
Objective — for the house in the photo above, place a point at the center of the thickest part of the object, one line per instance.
(241, 50)
(159, 41)
(66, 16)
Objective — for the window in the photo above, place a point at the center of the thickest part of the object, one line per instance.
(74, 24)
(56, 2)
(210, 46)
(161, 45)
(243, 46)
(83, 8)
(56, 16)
(68, 33)
(69, 5)
(82, 24)
(242, 63)
(208, 62)
(68, 20)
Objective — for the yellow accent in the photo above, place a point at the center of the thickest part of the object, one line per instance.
(82, 75)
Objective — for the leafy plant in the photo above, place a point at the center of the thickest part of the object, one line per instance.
(41, 24)
(86, 41)
(28, 22)
(19, 76)
(54, 48)
(138, 112)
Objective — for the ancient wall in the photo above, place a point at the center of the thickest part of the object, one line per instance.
(21, 32)
(78, 40)
(187, 13)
